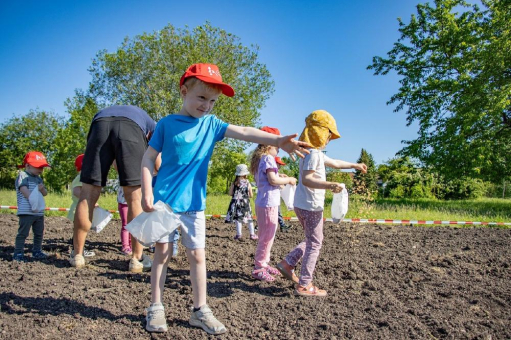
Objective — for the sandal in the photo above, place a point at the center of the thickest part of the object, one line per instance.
(287, 271)
(309, 290)
(273, 271)
(263, 275)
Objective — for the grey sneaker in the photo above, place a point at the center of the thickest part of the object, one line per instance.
(86, 253)
(77, 261)
(155, 318)
(204, 318)
(137, 266)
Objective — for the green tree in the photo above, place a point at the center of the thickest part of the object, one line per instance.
(35, 131)
(366, 183)
(454, 60)
(336, 175)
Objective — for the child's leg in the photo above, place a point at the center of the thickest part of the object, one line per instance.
(125, 235)
(38, 230)
(159, 270)
(238, 227)
(25, 223)
(197, 260)
(267, 219)
(313, 228)
(251, 227)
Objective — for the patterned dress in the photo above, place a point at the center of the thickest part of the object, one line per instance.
(239, 208)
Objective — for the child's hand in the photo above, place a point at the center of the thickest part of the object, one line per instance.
(361, 167)
(40, 186)
(292, 146)
(147, 203)
(292, 180)
(336, 187)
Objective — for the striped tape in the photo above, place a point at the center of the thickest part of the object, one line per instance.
(349, 220)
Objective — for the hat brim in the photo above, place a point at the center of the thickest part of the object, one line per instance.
(226, 89)
(335, 134)
(244, 173)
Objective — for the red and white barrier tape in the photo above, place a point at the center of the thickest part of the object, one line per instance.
(351, 220)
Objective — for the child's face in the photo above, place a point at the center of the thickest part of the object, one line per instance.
(274, 151)
(199, 100)
(33, 170)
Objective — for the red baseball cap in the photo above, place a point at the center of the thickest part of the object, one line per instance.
(79, 162)
(35, 159)
(279, 160)
(208, 73)
(272, 130)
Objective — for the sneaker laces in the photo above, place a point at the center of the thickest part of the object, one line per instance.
(155, 314)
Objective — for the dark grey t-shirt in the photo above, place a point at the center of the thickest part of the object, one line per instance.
(134, 113)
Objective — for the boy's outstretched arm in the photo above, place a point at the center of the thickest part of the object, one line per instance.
(286, 143)
(148, 161)
(340, 164)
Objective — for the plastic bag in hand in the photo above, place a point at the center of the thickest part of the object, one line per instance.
(100, 218)
(149, 227)
(288, 196)
(36, 200)
(340, 205)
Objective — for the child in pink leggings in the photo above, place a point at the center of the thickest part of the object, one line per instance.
(123, 211)
(309, 200)
(265, 171)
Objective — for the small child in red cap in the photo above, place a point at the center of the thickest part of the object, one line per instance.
(26, 182)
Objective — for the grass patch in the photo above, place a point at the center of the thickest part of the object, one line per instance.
(486, 209)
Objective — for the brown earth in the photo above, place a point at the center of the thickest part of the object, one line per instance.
(387, 282)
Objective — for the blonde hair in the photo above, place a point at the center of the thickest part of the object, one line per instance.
(256, 157)
(193, 81)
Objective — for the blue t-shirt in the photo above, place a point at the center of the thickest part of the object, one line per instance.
(131, 112)
(186, 144)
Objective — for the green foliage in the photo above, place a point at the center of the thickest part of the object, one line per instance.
(292, 168)
(366, 183)
(454, 61)
(336, 175)
(35, 131)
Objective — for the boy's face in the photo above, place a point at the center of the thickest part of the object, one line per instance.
(33, 170)
(199, 100)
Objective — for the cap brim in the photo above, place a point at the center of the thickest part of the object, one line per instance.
(335, 134)
(226, 89)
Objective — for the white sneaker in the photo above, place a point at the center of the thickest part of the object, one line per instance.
(205, 319)
(137, 266)
(155, 318)
(77, 261)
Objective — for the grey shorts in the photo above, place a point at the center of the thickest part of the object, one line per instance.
(193, 230)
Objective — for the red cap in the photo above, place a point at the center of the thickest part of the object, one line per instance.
(279, 160)
(35, 159)
(79, 162)
(268, 129)
(208, 73)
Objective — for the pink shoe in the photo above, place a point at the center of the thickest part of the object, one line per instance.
(263, 275)
(254, 237)
(273, 271)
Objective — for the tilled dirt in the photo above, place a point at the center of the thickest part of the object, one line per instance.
(383, 282)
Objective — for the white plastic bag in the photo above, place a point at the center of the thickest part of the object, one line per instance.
(100, 218)
(36, 200)
(150, 227)
(288, 196)
(340, 205)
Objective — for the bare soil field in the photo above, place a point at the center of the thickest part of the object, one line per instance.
(383, 282)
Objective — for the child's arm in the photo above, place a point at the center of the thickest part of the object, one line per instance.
(24, 191)
(250, 192)
(311, 181)
(147, 176)
(286, 143)
(276, 180)
(231, 189)
(339, 164)
(42, 189)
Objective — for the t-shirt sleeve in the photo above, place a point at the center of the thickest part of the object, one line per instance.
(311, 161)
(219, 127)
(268, 163)
(156, 141)
(21, 181)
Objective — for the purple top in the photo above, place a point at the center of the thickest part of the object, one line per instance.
(267, 195)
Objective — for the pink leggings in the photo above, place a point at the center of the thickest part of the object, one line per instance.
(267, 221)
(312, 222)
(125, 235)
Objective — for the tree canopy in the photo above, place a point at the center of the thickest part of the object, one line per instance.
(454, 60)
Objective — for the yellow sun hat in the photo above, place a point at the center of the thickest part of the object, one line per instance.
(318, 126)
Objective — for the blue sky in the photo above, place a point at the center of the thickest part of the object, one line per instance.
(316, 51)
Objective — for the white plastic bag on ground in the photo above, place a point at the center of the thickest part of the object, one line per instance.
(36, 200)
(100, 218)
(340, 205)
(150, 227)
(288, 196)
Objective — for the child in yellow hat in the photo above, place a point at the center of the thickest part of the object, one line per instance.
(320, 129)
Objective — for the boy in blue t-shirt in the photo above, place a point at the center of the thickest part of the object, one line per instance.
(27, 180)
(186, 140)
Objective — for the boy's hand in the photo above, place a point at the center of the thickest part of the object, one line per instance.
(147, 203)
(292, 180)
(361, 167)
(293, 146)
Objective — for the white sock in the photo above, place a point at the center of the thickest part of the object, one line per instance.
(251, 227)
(238, 227)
